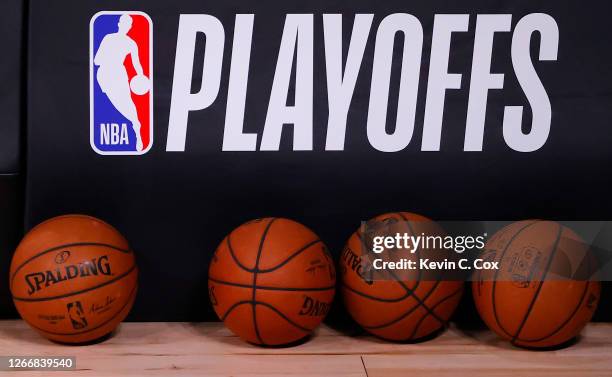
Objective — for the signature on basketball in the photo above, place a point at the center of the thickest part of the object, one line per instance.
(106, 305)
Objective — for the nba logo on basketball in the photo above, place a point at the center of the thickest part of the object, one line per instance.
(121, 82)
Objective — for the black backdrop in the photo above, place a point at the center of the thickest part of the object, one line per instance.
(176, 207)
(12, 75)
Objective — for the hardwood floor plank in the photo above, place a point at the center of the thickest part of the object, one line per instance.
(185, 349)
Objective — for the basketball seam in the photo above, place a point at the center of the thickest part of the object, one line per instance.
(265, 304)
(117, 278)
(130, 296)
(354, 290)
(586, 288)
(537, 293)
(410, 291)
(445, 323)
(263, 287)
(68, 245)
(250, 302)
(274, 268)
(408, 339)
(234, 257)
(584, 294)
(407, 291)
(395, 278)
(411, 310)
(295, 254)
(501, 258)
(257, 259)
(418, 254)
(231, 308)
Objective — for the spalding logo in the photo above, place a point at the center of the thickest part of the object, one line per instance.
(39, 280)
(313, 307)
(355, 263)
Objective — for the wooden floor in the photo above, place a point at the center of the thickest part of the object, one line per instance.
(208, 349)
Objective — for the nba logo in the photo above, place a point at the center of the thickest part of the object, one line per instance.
(121, 83)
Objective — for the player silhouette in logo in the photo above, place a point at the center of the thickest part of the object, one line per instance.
(112, 75)
(77, 315)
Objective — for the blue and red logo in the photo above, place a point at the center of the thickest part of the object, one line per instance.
(121, 82)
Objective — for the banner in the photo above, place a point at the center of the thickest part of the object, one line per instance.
(326, 113)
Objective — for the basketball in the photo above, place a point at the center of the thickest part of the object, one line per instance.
(398, 306)
(271, 281)
(541, 295)
(73, 278)
(140, 85)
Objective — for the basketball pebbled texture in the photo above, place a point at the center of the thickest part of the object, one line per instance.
(404, 306)
(271, 281)
(531, 300)
(73, 278)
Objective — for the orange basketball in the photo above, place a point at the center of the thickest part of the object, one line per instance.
(541, 295)
(73, 278)
(400, 306)
(271, 281)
